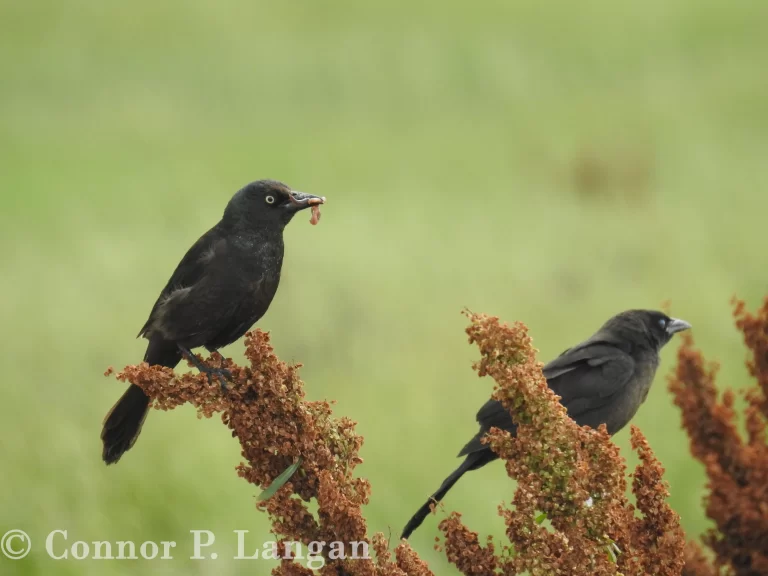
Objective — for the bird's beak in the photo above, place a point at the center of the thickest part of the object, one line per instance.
(300, 200)
(676, 325)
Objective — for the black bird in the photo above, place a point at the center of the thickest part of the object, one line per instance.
(222, 286)
(603, 380)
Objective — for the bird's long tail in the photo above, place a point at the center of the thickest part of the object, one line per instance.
(473, 461)
(122, 424)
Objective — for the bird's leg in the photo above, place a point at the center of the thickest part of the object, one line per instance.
(222, 374)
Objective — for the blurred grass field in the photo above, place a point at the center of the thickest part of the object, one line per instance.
(553, 163)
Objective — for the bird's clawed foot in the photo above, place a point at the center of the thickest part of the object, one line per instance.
(222, 374)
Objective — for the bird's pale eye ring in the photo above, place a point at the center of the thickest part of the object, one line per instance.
(663, 322)
(270, 199)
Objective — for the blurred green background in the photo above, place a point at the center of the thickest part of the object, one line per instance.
(549, 162)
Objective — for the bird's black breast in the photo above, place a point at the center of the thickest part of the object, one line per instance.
(627, 403)
(254, 270)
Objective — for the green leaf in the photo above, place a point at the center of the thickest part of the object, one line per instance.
(540, 518)
(279, 482)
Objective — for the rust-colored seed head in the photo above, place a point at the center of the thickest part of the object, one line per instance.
(737, 467)
(266, 411)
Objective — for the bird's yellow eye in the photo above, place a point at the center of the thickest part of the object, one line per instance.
(270, 199)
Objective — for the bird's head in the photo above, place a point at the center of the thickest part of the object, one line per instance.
(649, 325)
(268, 203)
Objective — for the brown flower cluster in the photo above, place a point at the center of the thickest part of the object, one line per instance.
(265, 408)
(572, 477)
(737, 466)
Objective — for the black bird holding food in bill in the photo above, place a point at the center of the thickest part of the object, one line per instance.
(603, 380)
(222, 286)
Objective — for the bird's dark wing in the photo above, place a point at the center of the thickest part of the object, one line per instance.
(189, 272)
(585, 377)
(588, 375)
(230, 295)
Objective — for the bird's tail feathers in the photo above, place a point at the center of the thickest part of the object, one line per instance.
(123, 423)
